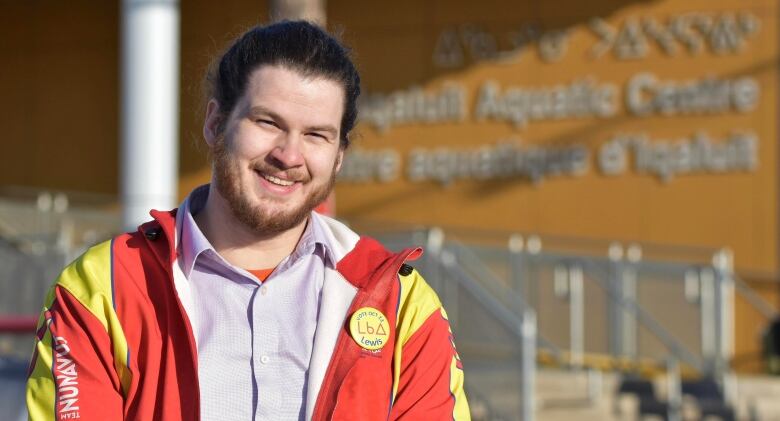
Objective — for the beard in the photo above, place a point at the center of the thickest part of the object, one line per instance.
(259, 217)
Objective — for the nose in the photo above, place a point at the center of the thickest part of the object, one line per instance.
(287, 152)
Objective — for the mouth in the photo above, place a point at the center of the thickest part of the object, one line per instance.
(278, 181)
(277, 184)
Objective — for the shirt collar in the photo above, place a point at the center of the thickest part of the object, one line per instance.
(314, 240)
(193, 243)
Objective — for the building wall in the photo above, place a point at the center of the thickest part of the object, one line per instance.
(610, 43)
(59, 83)
(60, 73)
(59, 80)
(735, 207)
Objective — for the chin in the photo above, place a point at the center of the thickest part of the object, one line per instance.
(269, 220)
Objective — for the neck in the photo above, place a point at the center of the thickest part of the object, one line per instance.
(237, 243)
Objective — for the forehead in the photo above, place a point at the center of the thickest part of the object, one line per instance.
(293, 95)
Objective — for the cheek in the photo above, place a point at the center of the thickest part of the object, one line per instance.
(323, 163)
(245, 151)
(249, 142)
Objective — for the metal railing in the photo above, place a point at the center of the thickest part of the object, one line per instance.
(522, 325)
(510, 298)
(675, 312)
(41, 232)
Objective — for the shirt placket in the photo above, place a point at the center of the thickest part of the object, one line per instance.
(265, 356)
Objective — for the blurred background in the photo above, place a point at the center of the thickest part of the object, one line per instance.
(595, 183)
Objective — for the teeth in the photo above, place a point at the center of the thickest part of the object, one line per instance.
(277, 180)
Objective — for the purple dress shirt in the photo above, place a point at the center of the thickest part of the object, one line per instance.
(254, 340)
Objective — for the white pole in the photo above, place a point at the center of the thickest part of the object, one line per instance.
(311, 10)
(576, 317)
(150, 108)
(529, 333)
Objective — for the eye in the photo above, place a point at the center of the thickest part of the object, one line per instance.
(264, 122)
(319, 135)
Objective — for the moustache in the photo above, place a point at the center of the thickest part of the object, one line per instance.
(292, 174)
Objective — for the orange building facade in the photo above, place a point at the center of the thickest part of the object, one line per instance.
(637, 121)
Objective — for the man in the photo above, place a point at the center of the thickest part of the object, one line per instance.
(245, 304)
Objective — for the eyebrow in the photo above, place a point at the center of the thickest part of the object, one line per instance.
(259, 109)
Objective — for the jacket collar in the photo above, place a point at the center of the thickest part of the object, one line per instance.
(363, 275)
(357, 264)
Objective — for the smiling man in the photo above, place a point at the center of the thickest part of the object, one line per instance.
(244, 304)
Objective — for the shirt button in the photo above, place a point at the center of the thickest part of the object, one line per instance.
(264, 359)
(263, 290)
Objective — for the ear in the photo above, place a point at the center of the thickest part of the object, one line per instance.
(339, 159)
(211, 123)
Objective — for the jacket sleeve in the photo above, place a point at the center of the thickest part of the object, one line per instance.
(72, 372)
(429, 376)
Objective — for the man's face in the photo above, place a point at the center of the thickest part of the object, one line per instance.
(279, 153)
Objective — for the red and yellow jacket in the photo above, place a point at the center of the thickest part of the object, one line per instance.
(114, 341)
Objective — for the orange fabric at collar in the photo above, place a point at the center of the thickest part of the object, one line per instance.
(261, 274)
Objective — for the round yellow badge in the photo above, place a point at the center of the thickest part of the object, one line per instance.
(369, 328)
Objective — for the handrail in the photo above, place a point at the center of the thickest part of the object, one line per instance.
(488, 276)
(18, 324)
(12, 245)
(512, 321)
(477, 268)
(669, 341)
(499, 235)
(486, 273)
(758, 302)
(666, 338)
